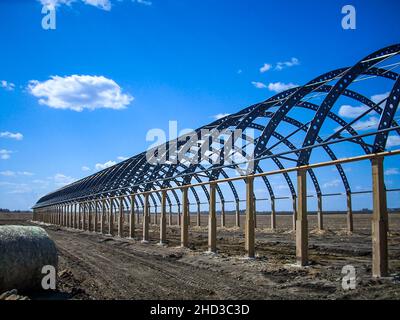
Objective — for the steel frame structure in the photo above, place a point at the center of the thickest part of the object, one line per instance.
(159, 173)
(137, 174)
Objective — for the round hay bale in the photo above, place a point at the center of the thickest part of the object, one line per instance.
(24, 250)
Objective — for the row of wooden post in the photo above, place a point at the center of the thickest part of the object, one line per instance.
(379, 220)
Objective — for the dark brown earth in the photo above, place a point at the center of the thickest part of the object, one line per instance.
(94, 266)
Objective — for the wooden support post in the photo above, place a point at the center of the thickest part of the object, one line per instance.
(349, 213)
(64, 216)
(70, 215)
(198, 222)
(237, 213)
(170, 215)
(80, 216)
(76, 216)
(255, 211)
(188, 219)
(96, 216)
(59, 216)
(163, 218)
(273, 214)
(212, 220)
(320, 213)
(250, 218)
(380, 266)
(121, 218)
(111, 218)
(103, 217)
(84, 216)
(222, 214)
(185, 218)
(138, 216)
(132, 218)
(155, 215)
(146, 217)
(90, 216)
(179, 215)
(294, 216)
(301, 222)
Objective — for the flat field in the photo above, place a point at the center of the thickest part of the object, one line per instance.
(94, 266)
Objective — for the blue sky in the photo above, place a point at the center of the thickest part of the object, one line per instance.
(162, 60)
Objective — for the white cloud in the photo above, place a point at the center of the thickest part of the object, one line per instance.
(25, 173)
(240, 71)
(144, 2)
(7, 85)
(379, 97)
(266, 67)
(84, 168)
(220, 116)
(20, 188)
(371, 123)
(258, 85)
(392, 171)
(122, 158)
(101, 4)
(78, 92)
(393, 141)
(62, 180)
(352, 112)
(5, 154)
(287, 64)
(102, 166)
(361, 125)
(7, 173)
(279, 86)
(331, 184)
(10, 135)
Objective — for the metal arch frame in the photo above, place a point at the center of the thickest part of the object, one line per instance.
(253, 112)
(138, 174)
(336, 92)
(371, 71)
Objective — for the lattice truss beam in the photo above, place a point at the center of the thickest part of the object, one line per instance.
(263, 136)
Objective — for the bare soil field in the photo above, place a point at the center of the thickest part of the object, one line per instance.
(94, 266)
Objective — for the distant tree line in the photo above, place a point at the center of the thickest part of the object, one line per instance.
(13, 211)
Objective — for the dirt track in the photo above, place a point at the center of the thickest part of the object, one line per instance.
(94, 266)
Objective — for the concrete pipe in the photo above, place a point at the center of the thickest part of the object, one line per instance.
(24, 251)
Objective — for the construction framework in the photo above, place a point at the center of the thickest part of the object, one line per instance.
(256, 142)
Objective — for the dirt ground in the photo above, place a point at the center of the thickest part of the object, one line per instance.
(94, 266)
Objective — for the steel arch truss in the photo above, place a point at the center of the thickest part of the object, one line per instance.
(249, 140)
